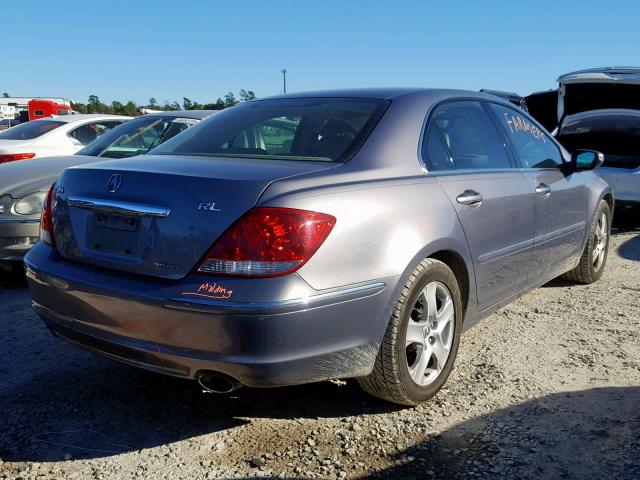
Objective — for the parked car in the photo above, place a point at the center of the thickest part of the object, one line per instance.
(316, 236)
(24, 185)
(7, 123)
(63, 135)
(614, 132)
(511, 97)
(598, 108)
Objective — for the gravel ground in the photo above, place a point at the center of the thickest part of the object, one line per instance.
(547, 388)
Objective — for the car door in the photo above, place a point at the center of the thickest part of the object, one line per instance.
(560, 205)
(468, 155)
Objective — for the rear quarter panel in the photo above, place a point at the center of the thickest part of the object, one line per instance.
(380, 230)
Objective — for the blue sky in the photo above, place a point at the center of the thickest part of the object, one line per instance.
(136, 49)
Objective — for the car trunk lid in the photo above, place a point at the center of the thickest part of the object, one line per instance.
(157, 215)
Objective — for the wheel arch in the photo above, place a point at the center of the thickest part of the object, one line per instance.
(459, 268)
(457, 257)
(608, 197)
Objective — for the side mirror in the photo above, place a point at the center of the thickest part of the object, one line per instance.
(586, 159)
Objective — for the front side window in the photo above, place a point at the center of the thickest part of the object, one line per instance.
(315, 129)
(462, 136)
(30, 130)
(534, 147)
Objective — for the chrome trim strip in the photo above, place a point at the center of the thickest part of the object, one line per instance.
(245, 308)
(561, 232)
(505, 251)
(522, 246)
(119, 207)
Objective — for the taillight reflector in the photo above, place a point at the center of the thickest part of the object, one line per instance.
(46, 219)
(12, 157)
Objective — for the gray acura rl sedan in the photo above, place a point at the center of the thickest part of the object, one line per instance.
(316, 236)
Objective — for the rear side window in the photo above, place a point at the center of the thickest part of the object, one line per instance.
(462, 136)
(30, 130)
(315, 129)
(85, 134)
(534, 147)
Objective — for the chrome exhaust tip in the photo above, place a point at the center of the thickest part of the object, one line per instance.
(214, 382)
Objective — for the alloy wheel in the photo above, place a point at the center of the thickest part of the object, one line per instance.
(430, 331)
(599, 251)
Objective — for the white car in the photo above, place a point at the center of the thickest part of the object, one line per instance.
(63, 135)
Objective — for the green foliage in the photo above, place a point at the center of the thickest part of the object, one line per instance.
(246, 95)
(94, 105)
(5, 95)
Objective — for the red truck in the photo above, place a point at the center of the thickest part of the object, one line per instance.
(46, 108)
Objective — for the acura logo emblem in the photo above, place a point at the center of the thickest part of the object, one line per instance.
(113, 185)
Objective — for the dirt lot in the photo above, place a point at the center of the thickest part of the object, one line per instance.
(547, 388)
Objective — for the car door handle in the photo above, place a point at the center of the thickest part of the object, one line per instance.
(469, 197)
(543, 189)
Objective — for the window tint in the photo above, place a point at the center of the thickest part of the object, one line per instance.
(461, 135)
(278, 133)
(534, 148)
(122, 131)
(320, 129)
(85, 134)
(30, 130)
(139, 136)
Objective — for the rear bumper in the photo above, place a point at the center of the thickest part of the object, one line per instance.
(147, 323)
(17, 237)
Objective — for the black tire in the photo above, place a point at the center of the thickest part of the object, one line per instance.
(390, 379)
(586, 271)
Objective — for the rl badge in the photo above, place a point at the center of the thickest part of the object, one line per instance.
(209, 206)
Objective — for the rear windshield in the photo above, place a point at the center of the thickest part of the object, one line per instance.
(137, 136)
(616, 134)
(30, 130)
(314, 129)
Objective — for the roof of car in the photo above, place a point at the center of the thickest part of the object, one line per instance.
(83, 116)
(379, 93)
(198, 114)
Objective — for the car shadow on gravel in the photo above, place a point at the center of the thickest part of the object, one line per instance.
(630, 249)
(60, 403)
(591, 434)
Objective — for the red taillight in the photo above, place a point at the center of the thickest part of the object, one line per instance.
(267, 242)
(46, 219)
(12, 157)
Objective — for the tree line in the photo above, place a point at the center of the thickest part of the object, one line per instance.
(131, 108)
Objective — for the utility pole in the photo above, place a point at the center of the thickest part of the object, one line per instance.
(284, 80)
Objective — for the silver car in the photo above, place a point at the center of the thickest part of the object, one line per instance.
(317, 236)
(24, 184)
